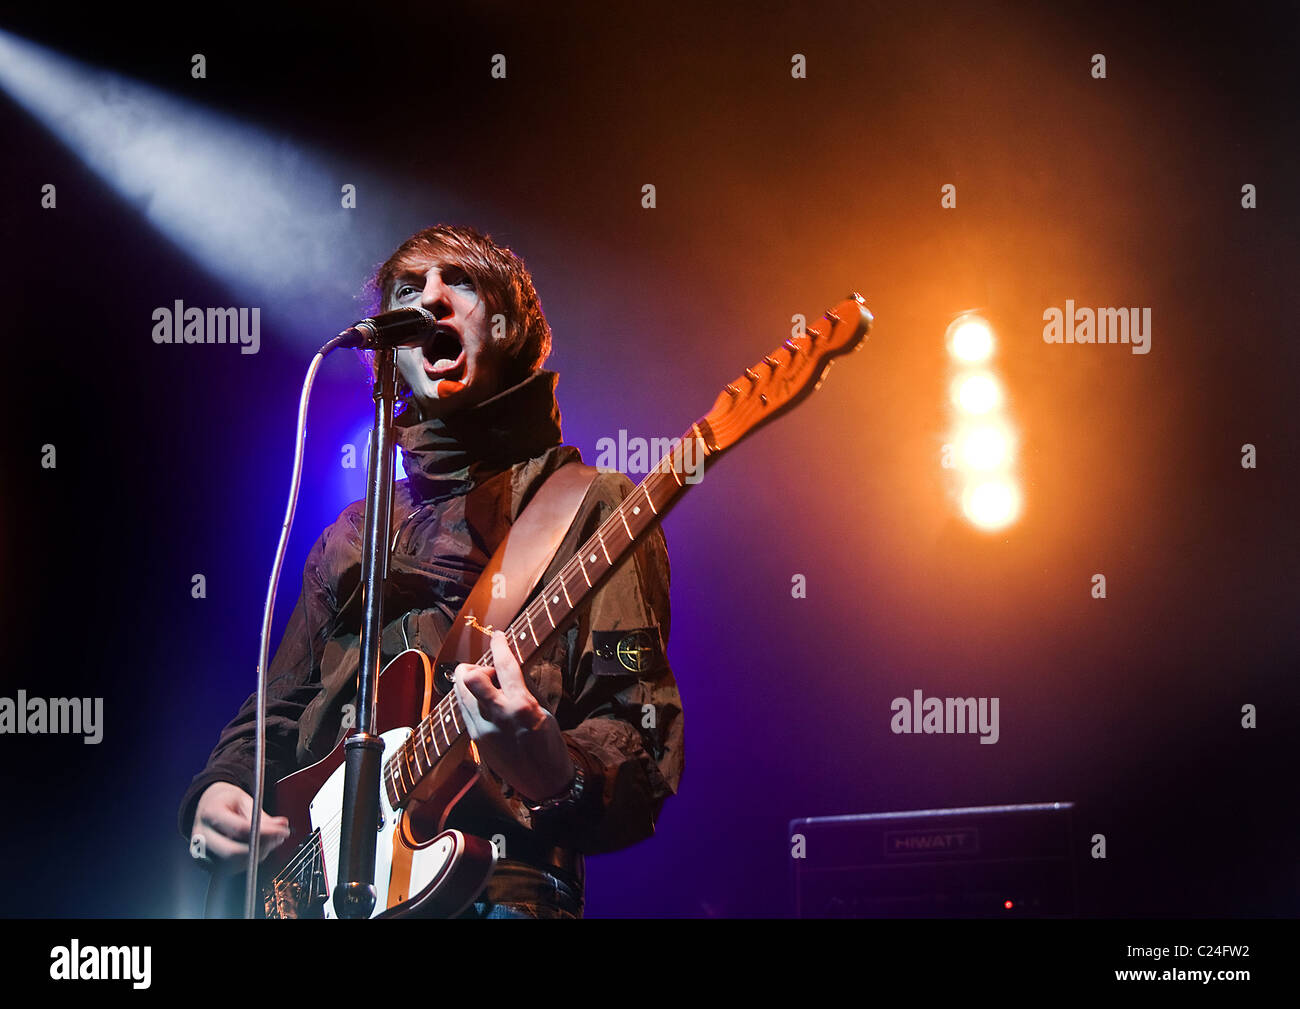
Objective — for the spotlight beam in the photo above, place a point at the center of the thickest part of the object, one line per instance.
(258, 212)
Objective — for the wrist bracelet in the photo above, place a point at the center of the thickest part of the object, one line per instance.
(569, 797)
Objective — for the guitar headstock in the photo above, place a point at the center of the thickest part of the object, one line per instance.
(788, 375)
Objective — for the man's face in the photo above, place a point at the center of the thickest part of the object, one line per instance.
(459, 364)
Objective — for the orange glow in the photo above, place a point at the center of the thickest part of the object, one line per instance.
(992, 504)
(986, 447)
(978, 393)
(971, 340)
(983, 441)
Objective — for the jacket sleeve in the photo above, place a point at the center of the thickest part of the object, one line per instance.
(621, 713)
(293, 681)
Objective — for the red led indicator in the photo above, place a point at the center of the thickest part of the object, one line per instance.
(1008, 905)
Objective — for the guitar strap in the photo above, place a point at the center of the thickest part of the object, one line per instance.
(521, 559)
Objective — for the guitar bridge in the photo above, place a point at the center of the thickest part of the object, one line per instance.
(299, 891)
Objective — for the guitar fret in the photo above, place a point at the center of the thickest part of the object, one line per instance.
(396, 787)
(405, 769)
(645, 489)
(395, 769)
(583, 568)
(405, 772)
(566, 591)
(602, 548)
(422, 733)
(413, 765)
(626, 527)
(529, 617)
(548, 611)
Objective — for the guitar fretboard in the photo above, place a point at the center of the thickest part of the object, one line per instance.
(552, 608)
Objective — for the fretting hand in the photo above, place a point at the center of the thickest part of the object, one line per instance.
(518, 738)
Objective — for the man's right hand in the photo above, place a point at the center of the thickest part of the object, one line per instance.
(222, 824)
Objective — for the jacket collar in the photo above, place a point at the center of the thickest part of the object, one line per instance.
(448, 456)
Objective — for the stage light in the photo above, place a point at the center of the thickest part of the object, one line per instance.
(260, 213)
(982, 442)
(978, 393)
(970, 339)
(986, 447)
(992, 504)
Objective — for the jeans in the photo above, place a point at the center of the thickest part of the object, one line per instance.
(519, 890)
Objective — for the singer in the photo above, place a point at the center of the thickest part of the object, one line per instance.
(584, 745)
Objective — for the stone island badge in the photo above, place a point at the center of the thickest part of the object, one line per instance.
(635, 651)
(619, 653)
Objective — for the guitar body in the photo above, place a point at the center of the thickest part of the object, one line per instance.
(419, 868)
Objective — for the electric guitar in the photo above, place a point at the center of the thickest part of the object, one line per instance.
(420, 868)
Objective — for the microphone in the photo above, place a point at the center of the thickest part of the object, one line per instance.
(389, 329)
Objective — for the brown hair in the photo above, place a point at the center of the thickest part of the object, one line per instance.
(503, 282)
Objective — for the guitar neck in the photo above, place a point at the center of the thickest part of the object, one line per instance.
(553, 607)
(634, 516)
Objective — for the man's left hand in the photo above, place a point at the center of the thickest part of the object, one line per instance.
(518, 738)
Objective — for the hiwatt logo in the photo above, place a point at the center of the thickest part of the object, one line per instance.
(1104, 325)
(179, 324)
(951, 841)
(946, 715)
(75, 962)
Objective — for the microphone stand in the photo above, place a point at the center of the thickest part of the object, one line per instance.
(354, 893)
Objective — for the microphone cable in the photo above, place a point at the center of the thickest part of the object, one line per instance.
(259, 752)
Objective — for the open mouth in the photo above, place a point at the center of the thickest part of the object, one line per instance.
(443, 354)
